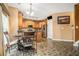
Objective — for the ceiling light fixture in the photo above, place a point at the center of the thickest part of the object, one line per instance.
(30, 12)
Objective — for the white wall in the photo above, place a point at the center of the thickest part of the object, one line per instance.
(50, 29)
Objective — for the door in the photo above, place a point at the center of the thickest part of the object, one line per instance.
(76, 22)
(50, 29)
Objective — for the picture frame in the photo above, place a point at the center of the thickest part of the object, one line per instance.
(63, 19)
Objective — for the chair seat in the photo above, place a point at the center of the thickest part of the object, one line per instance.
(26, 45)
(13, 42)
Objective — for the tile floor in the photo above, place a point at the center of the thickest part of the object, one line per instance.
(50, 48)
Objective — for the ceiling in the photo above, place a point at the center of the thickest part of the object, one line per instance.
(42, 10)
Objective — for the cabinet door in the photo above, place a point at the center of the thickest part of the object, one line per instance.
(39, 36)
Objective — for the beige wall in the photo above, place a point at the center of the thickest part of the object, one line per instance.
(13, 22)
(1, 53)
(65, 31)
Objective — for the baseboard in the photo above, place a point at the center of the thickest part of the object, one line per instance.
(63, 40)
(76, 43)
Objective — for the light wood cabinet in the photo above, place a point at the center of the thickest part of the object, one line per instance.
(39, 36)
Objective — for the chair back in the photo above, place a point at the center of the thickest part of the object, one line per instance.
(7, 37)
(28, 37)
(29, 33)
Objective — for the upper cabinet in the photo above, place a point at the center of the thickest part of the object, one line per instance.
(20, 19)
